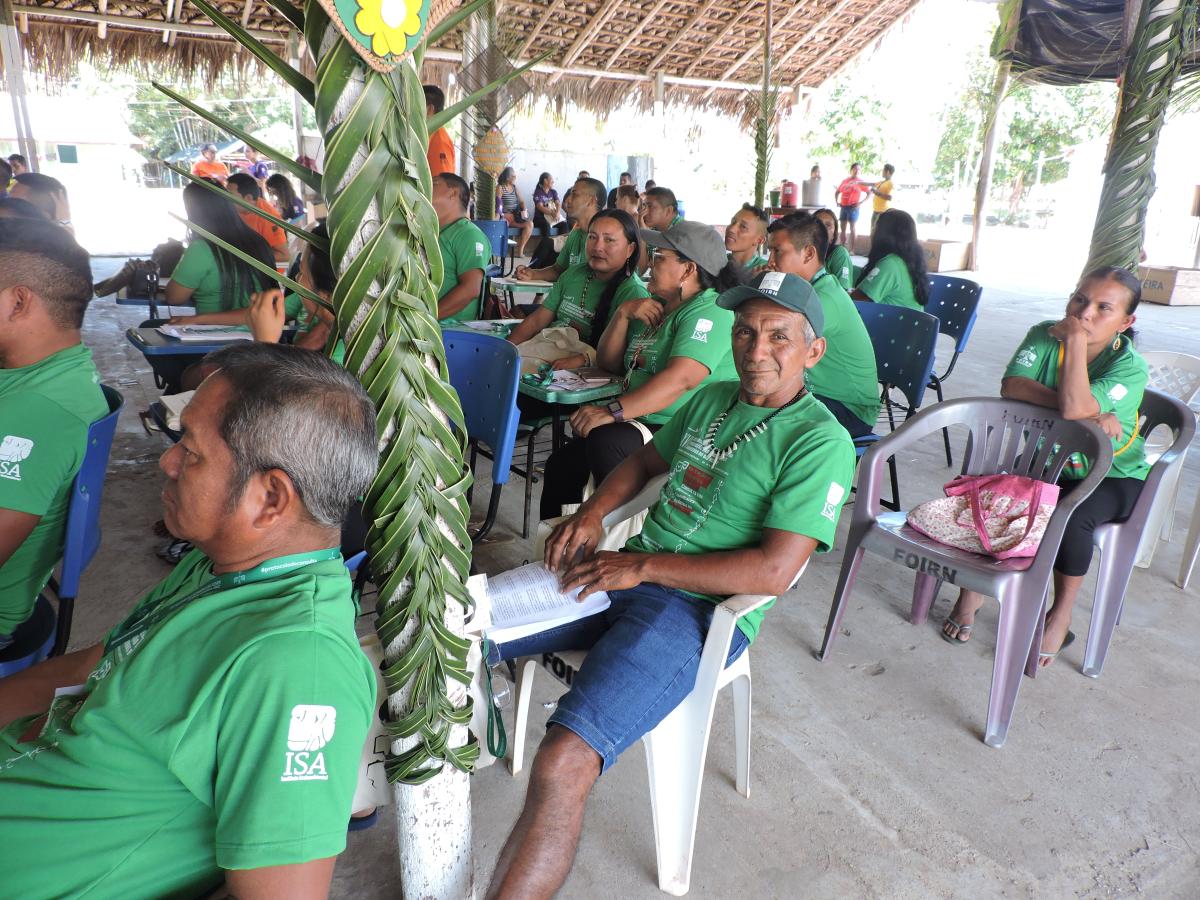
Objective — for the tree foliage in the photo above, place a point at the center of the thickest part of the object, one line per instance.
(1037, 122)
(851, 128)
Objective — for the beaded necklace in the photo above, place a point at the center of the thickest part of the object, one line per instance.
(716, 456)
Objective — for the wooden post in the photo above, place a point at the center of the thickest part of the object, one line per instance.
(984, 184)
(10, 48)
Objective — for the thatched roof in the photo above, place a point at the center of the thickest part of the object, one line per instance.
(706, 52)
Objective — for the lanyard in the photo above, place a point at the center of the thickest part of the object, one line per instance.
(132, 630)
(1132, 437)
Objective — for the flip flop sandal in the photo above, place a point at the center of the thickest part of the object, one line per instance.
(964, 630)
(1050, 657)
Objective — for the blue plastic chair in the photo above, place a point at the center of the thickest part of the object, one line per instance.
(496, 231)
(955, 302)
(485, 371)
(904, 341)
(40, 637)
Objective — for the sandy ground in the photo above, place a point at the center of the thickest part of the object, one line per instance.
(869, 776)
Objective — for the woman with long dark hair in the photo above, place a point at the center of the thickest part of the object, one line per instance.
(666, 346)
(1082, 366)
(895, 272)
(586, 294)
(511, 208)
(208, 274)
(837, 258)
(547, 208)
(290, 207)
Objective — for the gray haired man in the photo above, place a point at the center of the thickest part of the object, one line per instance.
(211, 740)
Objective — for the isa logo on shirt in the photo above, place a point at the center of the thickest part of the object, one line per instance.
(13, 450)
(309, 731)
(703, 327)
(833, 501)
(1026, 358)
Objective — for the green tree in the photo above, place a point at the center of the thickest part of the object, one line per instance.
(1039, 123)
(851, 128)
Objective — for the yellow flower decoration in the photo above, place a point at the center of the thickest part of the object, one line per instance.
(389, 24)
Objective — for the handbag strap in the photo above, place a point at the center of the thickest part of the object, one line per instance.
(977, 516)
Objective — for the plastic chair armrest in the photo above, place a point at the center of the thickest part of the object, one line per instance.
(643, 500)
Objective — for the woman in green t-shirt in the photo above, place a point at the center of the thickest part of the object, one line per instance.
(586, 295)
(895, 271)
(837, 257)
(207, 275)
(666, 345)
(1085, 367)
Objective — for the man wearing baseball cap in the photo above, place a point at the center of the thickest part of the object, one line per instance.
(757, 471)
(208, 166)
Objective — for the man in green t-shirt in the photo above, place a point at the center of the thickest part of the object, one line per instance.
(49, 396)
(845, 379)
(212, 739)
(757, 471)
(586, 198)
(466, 250)
(745, 235)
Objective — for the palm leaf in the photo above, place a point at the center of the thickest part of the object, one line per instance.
(437, 120)
(295, 79)
(274, 273)
(304, 173)
(320, 243)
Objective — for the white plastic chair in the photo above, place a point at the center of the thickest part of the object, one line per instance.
(676, 749)
(1178, 375)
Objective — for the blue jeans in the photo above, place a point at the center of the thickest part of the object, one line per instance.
(643, 656)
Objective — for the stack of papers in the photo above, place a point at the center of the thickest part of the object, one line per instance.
(527, 600)
(206, 333)
(566, 380)
(516, 282)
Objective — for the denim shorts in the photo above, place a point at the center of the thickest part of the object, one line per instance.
(643, 656)
(849, 213)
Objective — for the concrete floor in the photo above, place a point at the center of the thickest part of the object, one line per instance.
(869, 776)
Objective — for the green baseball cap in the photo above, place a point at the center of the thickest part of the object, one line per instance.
(787, 290)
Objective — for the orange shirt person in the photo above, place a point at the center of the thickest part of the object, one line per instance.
(208, 166)
(441, 148)
(247, 188)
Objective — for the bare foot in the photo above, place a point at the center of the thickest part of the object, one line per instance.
(958, 625)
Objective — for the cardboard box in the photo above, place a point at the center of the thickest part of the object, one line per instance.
(946, 256)
(1170, 285)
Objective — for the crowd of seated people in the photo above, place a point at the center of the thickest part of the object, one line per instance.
(745, 372)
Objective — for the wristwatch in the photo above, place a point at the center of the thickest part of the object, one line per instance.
(616, 410)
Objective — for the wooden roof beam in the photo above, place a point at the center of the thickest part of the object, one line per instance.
(586, 34)
(629, 39)
(102, 28)
(720, 36)
(206, 30)
(853, 57)
(757, 51)
(821, 57)
(178, 18)
(537, 29)
(168, 17)
(679, 35)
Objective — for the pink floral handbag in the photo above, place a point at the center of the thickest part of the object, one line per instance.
(989, 514)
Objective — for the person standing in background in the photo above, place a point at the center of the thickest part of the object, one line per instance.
(850, 195)
(441, 148)
(882, 201)
(810, 191)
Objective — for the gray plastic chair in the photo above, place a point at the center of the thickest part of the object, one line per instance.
(1004, 436)
(1118, 542)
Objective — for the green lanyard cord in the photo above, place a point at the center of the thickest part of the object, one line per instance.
(497, 739)
(150, 616)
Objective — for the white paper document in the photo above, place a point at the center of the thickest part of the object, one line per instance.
(206, 333)
(527, 600)
(516, 282)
